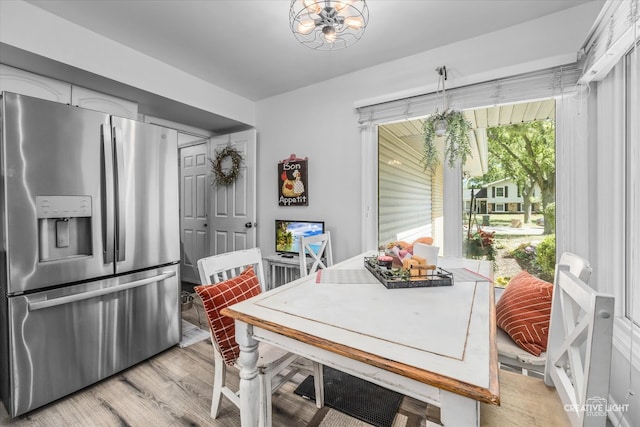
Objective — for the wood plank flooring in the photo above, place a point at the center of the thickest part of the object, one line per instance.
(171, 389)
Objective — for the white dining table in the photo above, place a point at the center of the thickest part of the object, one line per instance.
(435, 344)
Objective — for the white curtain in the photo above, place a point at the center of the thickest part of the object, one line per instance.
(572, 173)
(633, 185)
(608, 173)
(369, 185)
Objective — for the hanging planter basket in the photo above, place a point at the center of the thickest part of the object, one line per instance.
(440, 127)
(456, 134)
(450, 124)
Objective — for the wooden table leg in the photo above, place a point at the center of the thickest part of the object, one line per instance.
(249, 381)
(457, 410)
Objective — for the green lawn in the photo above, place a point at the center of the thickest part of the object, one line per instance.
(505, 219)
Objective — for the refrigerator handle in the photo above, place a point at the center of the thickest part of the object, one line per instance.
(107, 195)
(68, 299)
(121, 212)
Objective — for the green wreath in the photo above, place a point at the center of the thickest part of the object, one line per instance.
(226, 177)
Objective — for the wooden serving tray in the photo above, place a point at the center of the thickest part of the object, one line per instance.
(396, 278)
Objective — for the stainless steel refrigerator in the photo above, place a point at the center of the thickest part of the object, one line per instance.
(90, 247)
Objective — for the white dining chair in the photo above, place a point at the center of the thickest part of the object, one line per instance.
(318, 247)
(275, 365)
(511, 354)
(578, 364)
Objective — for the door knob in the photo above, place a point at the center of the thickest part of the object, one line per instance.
(205, 225)
(249, 225)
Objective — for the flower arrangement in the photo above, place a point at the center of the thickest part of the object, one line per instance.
(480, 245)
(502, 281)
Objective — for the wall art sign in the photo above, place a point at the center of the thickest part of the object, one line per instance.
(292, 182)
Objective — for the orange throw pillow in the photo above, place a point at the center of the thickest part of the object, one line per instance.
(220, 295)
(425, 240)
(524, 310)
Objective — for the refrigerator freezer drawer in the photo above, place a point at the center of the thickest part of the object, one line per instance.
(66, 339)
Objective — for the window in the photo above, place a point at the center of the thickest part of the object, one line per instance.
(499, 207)
(499, 192)
(550, 82)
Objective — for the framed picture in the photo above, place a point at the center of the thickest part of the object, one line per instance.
(292, 182)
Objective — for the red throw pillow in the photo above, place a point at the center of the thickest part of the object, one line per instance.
(220, 295)
(524, 310)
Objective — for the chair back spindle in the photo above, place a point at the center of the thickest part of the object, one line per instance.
(322, 257)
(228, 265)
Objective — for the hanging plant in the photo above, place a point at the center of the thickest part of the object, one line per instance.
(430, 154)
(224, 177)
(457, 141)
(452, 125)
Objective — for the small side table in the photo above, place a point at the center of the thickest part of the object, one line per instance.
(282, 270)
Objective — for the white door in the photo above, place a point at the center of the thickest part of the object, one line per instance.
(233, 207)
(194, 190)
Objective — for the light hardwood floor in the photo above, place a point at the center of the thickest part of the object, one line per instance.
(171, 389)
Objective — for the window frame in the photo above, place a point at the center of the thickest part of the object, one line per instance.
(632, 191)
(557, 82)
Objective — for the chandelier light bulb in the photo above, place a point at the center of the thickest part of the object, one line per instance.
(354, 22)
(312, 6)
(305, 27)
(329, 33)
(339, 5)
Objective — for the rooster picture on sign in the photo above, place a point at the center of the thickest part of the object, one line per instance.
(292, 183)
(292, 188)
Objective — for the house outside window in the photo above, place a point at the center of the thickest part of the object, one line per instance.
(505, 193)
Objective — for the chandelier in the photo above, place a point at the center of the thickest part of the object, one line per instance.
(328, 25)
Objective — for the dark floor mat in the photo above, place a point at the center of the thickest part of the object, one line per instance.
(187, 287)
(358, 398)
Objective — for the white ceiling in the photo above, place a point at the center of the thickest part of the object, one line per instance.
(247, 48)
